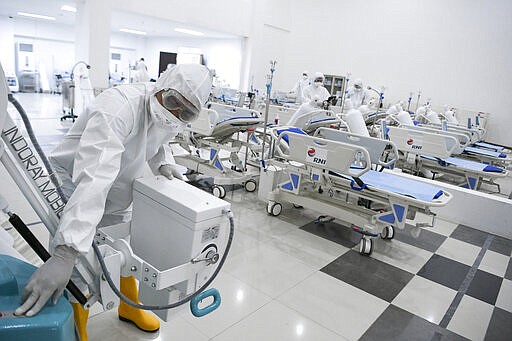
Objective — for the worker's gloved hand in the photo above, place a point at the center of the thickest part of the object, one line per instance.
(171, 171)
(49, 280)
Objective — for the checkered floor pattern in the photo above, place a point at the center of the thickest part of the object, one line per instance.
(425, 279)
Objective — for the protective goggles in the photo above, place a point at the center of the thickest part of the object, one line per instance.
(357, 86)
(173, 101)
(319, 80)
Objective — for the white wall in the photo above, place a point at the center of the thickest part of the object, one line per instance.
(457, 52)
(230, 16)
(223, 55)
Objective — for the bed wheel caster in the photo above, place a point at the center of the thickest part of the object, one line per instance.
(388, 232)
(250, 185)
(219, 191)
(274, 208)
(297, 206)
(366, 246)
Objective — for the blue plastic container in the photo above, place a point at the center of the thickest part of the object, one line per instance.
(53, 323)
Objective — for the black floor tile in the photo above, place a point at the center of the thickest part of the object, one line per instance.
(425, 239)
(368, 274)
(397, 324)
(444, 271)
(334, 232)
(501, 245)
(500, 327)
(485, 287)
(508, 274)
(469, 235)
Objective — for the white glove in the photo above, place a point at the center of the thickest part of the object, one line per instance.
(49, 280)
(171, 171)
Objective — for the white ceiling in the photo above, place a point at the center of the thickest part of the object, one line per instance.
(154, 27)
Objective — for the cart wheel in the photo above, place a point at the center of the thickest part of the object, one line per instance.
(250, 185)
(388, 232)
(366, 246)
(269, 207)
(274, 209)
(219, 191)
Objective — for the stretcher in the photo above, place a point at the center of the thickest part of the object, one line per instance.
(432, 151)
(336, 178)
(468, 138)
(216, 143)
(310, 121)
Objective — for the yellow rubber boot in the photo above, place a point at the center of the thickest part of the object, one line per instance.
(141, 319)
(80, 315)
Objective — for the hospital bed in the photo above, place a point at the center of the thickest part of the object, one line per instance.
(336, 178)
(423, 149)
(468, 138)
(310, 121)
(215, 142)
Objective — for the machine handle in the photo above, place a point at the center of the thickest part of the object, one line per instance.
(200, 312)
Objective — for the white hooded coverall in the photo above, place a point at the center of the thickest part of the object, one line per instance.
(107, 147)
(315, 91)
(359, 96)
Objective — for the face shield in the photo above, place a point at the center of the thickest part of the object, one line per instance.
(173, 101)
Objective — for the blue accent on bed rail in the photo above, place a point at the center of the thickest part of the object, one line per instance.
(399, 211)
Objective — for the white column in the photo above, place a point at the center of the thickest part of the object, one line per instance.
(7, 44)
(92, 38)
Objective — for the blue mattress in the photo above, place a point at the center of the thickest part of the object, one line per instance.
(399, 185)
(467, 164)
(485, 152)
(489, 146)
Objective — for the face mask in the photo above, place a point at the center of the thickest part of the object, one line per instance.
(304, 77)
(317, 84)
(162, 117)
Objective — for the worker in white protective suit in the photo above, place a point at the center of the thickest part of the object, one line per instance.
(300, 86)
(357, 94)
(449, 115)
(317, 89)
(98, 160)
(301, 116)
(141, 72)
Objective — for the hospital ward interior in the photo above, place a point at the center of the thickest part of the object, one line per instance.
(243, 170)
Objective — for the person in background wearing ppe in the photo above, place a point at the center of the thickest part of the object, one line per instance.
(300, 86)
(300, 117)
(141, 72)
(98, 160)
(357, 94)
(317, 89)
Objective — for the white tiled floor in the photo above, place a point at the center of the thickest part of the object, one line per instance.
(459, 251)
(337, 306)
(504, 300)
(494, 263)
(425, 298)
(471, 318)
